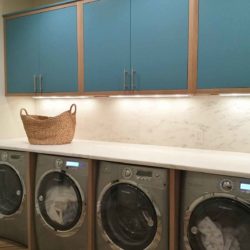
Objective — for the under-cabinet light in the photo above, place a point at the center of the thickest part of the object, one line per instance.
(235, 94)
(150, 96)
(61, 97)
(113, 96)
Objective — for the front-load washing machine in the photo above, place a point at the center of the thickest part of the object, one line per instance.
(60, 198)
(132, 207)
(13, 200)
(215, 212)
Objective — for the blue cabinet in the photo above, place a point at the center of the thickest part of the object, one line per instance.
(22, 53)
(41, 52)
(58, 51)
(106, 45)
(135, 45)
(224, 38)
(159, 44)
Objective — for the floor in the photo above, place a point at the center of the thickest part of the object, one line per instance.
(8, 245)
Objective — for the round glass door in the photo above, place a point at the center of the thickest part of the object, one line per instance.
(59, 201)
(11, 190)
(220, 223)
(128, 217)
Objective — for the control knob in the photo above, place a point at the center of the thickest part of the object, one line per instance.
(127, 173)
(227, 185)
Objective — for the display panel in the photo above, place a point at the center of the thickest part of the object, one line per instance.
(245, 186)
(144, 173)
(73, 164)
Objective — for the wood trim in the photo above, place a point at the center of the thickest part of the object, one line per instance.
(71, 94)
(193, 45)
(132, 93)
(88, 1)
(31, 201)
(5, 56)
(174, 198)
(91, 205)
(80, 46)
(33, 12)
(218, 91)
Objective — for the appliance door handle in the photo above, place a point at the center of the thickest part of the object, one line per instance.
(133, 75)
(40, 83)
(125, 77)
(35, 83)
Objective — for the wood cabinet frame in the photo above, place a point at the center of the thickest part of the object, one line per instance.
(79, 50)
(193, 30)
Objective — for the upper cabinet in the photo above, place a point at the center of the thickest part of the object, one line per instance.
(159, 44)
(129, 47)
(106, 45)
(139, 45)
(41, 52)
(22, 54)
(224, 38)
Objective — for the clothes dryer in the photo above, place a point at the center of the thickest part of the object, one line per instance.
(13, 200)
(215, 212)
(61, 188)
(132, 207)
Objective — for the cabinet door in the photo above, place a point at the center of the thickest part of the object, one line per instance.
(106, 45)
(22, 53)
(224, 38)
(159, 44)
(58, 50)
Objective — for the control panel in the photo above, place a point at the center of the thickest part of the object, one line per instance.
(235, 185)
(141, 174)
(69, 164)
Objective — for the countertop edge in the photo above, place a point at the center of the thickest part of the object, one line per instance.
(189, 159)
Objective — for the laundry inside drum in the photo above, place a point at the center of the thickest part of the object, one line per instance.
(220, 223)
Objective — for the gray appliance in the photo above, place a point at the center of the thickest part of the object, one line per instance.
(215, 212)
(13, 200)
(132, 207)
(60, 199)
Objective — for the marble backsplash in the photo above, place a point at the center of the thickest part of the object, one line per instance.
(207, 122)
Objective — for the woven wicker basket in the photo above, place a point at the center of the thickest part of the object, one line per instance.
(44, 130)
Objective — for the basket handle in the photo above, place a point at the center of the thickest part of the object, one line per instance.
(72, 107)
(23, 110)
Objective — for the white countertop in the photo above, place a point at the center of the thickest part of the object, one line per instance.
(207, 161)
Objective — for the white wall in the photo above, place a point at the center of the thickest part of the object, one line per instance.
(10, 123)
(209, 122)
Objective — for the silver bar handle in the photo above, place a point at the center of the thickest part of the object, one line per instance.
(34, 82)
(40, 83)
(133, 75)
(125, 76)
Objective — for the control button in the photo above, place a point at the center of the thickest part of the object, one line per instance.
(40, 198)
(157, 175)
(127, 173)
(59, 163)
(18, 192)
(4, 156)
(227, 185)
(194, 230)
